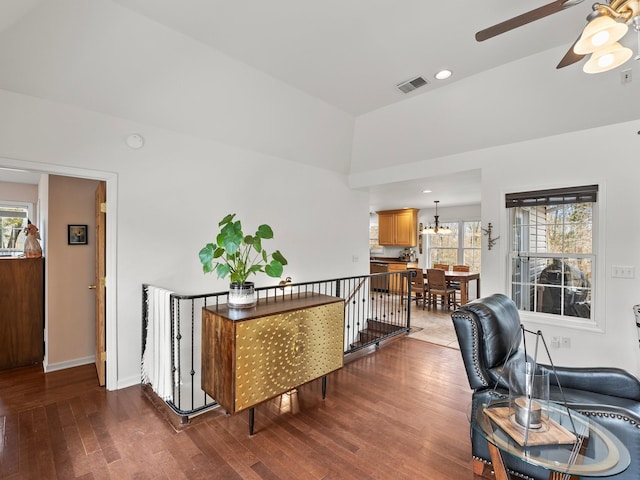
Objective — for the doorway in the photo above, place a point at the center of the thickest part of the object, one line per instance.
(110, 180)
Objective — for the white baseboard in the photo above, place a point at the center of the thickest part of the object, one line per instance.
(52, 367)
(122, 383)
(128, 382)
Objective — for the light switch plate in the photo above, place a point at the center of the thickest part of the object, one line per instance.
(623, 271)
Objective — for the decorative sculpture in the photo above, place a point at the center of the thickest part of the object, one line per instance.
(490, 241)
(32, 247)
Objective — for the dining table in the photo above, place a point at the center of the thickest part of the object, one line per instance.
(463, 278)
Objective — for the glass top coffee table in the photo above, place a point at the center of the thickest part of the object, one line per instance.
(567, 443)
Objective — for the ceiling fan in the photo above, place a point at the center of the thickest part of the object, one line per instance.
(606, 24)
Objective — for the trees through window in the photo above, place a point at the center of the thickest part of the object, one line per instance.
(552, 250)
(462, 247)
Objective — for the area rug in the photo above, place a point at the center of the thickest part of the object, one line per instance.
(433, 328)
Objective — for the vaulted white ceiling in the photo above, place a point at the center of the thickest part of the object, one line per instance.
(349, 53)
(352, 53)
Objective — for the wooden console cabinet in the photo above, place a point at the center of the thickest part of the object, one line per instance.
(21, 311)
(252, 355)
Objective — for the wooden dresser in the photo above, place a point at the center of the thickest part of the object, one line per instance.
(21, 311)
(252, 355)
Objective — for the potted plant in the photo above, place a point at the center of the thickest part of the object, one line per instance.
(239, 255)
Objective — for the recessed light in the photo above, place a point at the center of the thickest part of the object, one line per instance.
(443, 74)
(426, 191)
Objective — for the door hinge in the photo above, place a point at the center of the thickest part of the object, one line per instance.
(103, 282)
(103, 207)
(103, 356)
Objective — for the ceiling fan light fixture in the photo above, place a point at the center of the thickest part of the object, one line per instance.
(607, 58)
(600, 32)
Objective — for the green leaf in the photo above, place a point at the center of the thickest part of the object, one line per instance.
(274, 269)
(229, 241)
(279, 257)
(207, 267)
(222, 270)
(226, 219)
(257, 244)
(206, 254)
(264, 231)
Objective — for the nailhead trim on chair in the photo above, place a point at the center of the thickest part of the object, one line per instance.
(609, 415)
(476, 346)
(511, 472)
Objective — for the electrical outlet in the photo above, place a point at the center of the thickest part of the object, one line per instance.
(625, 76)
(555, 342)
(566, 342)
(355, 259)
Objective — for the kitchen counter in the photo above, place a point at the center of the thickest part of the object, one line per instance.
(393, 260)
(389, 283)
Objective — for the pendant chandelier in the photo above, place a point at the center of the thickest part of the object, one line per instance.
(436, 229)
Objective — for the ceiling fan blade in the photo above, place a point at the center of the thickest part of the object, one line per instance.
(570, 57)
(528, 17)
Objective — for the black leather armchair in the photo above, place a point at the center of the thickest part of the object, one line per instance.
(489, 334)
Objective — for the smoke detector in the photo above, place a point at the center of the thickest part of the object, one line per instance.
(411, 85)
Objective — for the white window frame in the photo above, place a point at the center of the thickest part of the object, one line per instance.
(597, 321)
(459, 249)
(13, 204)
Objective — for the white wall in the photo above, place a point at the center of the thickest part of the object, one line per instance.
(172, 193)
(607, 156)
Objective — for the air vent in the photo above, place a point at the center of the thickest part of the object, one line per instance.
(411, 85)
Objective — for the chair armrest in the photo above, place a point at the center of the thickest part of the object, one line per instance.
(607, 381)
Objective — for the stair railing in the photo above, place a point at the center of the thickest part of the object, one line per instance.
(378, 305)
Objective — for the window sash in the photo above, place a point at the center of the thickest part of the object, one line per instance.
(569, 291)
(463, 247)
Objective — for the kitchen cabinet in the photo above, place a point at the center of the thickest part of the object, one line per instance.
(397, 282)
(391, 283)
(381, 283)
(398, 227)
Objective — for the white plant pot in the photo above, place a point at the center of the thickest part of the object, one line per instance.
(242, 295)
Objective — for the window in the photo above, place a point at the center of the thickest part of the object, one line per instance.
(374, 246)
(472, 245)
(552, 250)
(13, 219)
(462, 247)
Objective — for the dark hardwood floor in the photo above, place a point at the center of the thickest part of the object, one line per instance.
(395, 413)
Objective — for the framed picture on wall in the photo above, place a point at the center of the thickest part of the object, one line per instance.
(77, 234)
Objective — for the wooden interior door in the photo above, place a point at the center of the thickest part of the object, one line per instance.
(100, 281)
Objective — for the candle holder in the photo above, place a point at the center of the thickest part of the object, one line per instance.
(528, 394)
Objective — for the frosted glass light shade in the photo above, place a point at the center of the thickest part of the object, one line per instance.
(607, 58)
(600, 32)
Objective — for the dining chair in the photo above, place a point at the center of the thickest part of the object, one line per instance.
(441, 266)
(456, 285)
(437, 286)
(418, 286)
